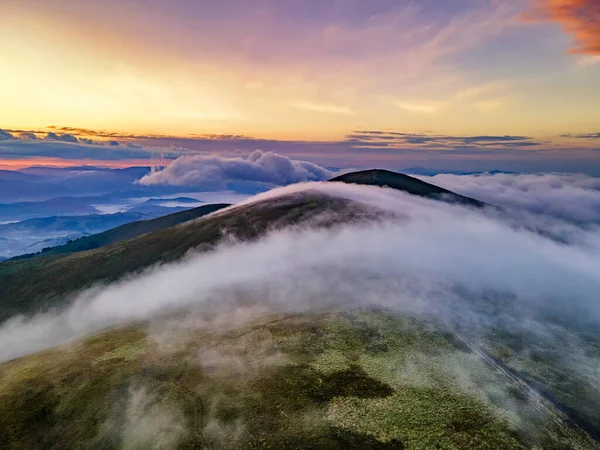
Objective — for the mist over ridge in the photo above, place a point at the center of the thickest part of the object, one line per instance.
(512, 291)
(413, 257)
(300, 225)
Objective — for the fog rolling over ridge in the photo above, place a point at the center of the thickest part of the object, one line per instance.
(300, 225)
(568, 196)
(323, 313)
(419, 255)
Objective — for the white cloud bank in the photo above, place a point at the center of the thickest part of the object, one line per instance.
(571, 197)
(418, 260)
(213, 171)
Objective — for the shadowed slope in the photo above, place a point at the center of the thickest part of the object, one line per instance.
(45, 281)
(360, 379)
(29, 285)
(414, 186)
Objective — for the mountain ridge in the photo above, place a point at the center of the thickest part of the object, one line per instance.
(405, 183)
(45, 280)
(267, 377)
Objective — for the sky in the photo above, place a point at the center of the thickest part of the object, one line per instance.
(461, 83)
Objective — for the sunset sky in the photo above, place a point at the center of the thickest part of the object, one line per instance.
(322, 71)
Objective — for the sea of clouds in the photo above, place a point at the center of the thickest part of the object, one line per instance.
(568, 196)
(424, 256)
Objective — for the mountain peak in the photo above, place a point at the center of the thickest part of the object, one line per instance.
(406, 183)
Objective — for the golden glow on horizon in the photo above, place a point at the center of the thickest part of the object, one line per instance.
(64, 74)
(16, 164)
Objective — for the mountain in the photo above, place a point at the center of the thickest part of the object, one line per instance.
(235, 373)
(28, 285)
(66, 206)
(411, 185)
(43, 183)
(14, 175)
(157, 210)
(128, 230)
(14, 189)
(89, 179)
(297, 206)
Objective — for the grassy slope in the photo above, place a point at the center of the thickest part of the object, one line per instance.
(26, 286)
(128, 231)
(45, 281)
(325, 381)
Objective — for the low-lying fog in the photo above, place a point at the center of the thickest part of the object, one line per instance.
(430, 256)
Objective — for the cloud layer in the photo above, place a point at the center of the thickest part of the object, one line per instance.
(571, 197)
(215, 171)
(359, 149)
(429, 257)
(4, 135)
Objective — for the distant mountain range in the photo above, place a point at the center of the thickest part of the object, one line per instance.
(68, 206)
(32, 235)
(17, 190)
(127, 231)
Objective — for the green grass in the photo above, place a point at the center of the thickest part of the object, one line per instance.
(351, 380)
(569, 369)
(31, 285)
(314, 381)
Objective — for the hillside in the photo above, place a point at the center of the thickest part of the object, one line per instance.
(296, 381)
(44, 281)
(236, 372)
(28, 285)
(376, 177)
(128, 231)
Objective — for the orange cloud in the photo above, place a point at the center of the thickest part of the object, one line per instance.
(579, 18)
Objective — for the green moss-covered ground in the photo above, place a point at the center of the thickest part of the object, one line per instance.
(362, 379)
